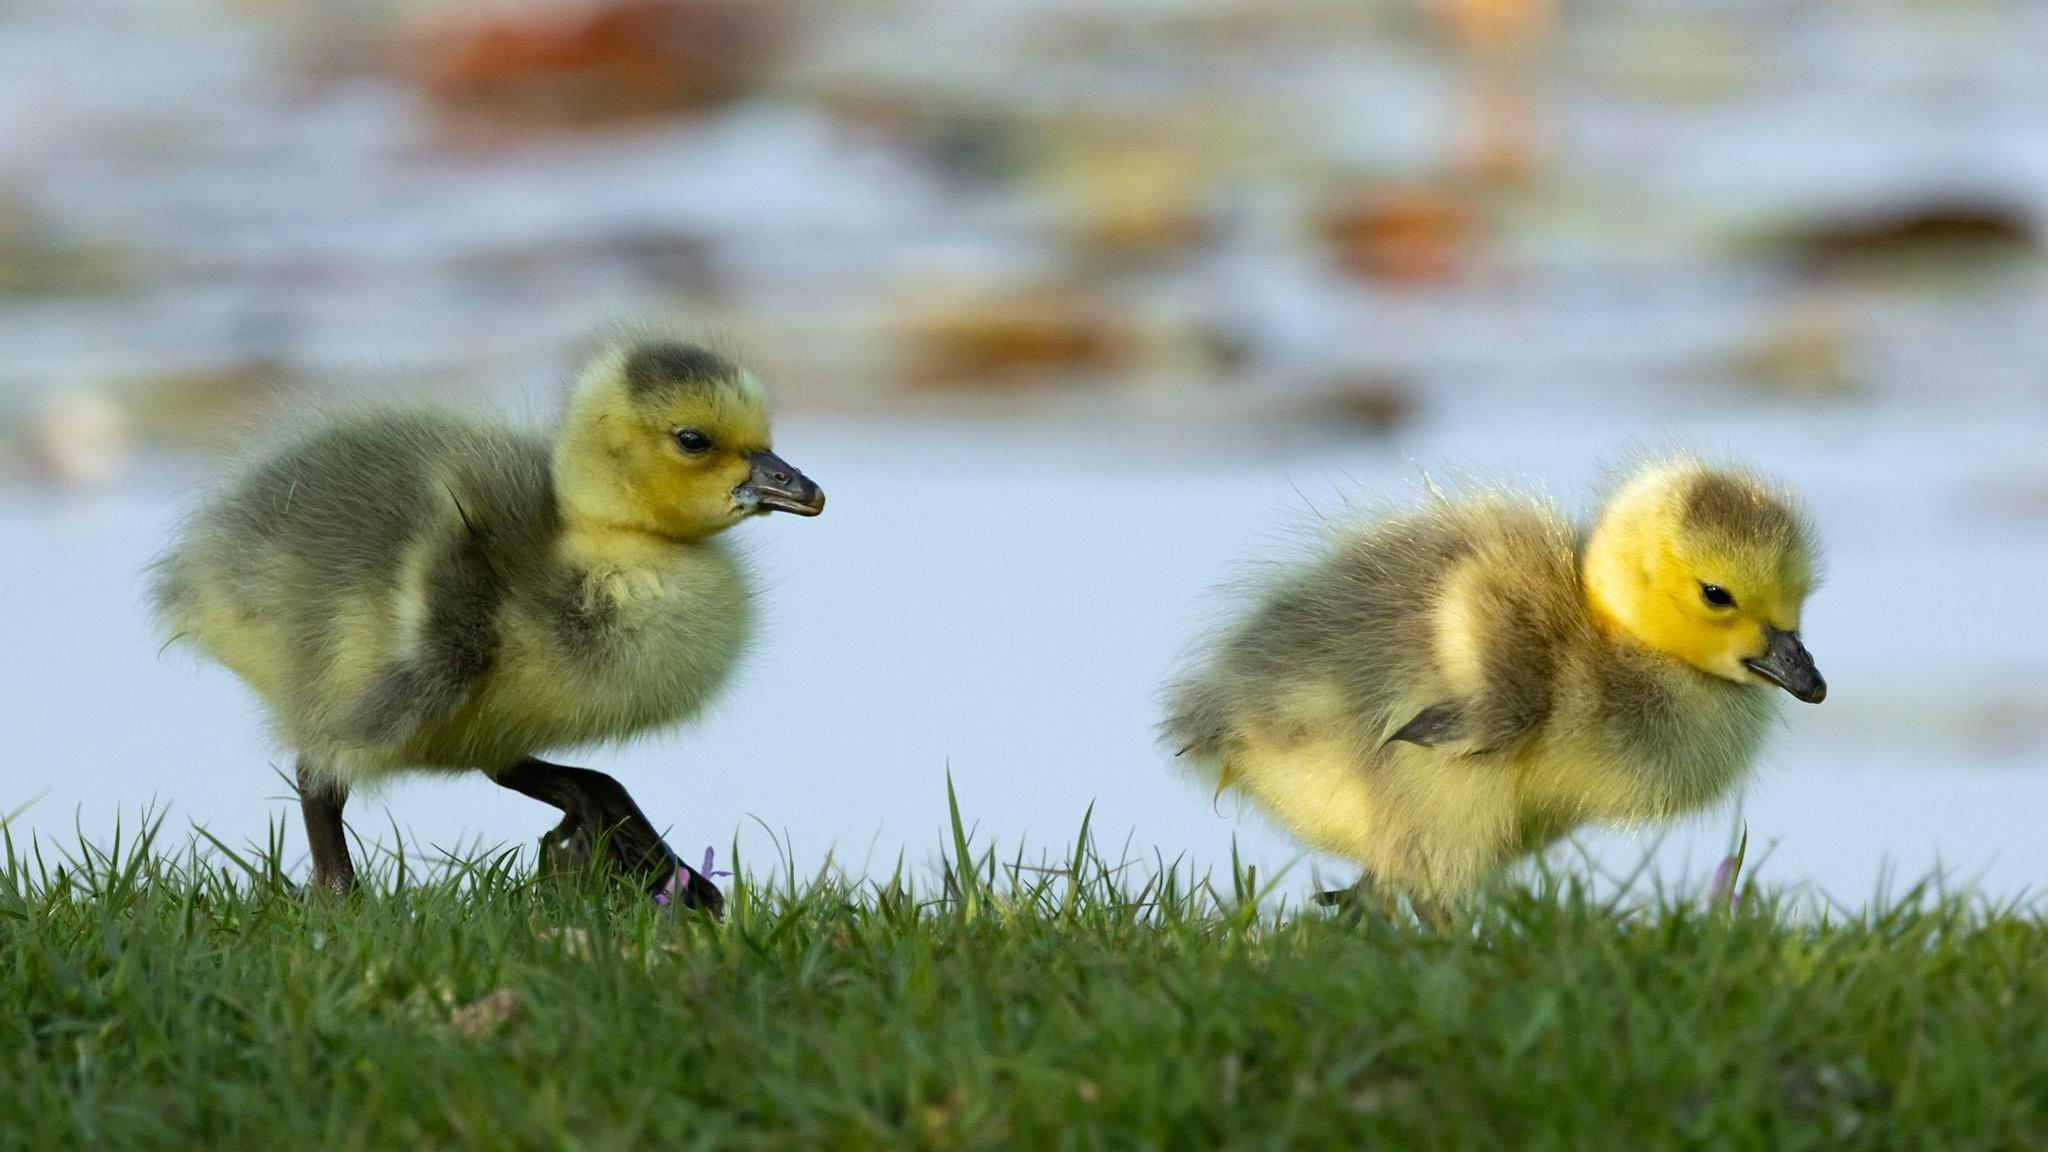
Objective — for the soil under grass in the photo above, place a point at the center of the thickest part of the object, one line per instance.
(181, 1001)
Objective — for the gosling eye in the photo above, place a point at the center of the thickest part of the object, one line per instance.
(693, 442)
(1717, 596)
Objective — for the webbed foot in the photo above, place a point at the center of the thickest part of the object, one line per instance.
(601, 821)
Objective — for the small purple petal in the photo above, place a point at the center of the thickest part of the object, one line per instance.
(1724, 873)
(710, 856)
(677, 881)
(1722, 890)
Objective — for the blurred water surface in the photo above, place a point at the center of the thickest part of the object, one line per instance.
(1005, 609)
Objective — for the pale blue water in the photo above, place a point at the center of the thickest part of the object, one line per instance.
(1005, 606)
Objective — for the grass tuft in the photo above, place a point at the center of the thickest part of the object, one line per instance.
(176, 995)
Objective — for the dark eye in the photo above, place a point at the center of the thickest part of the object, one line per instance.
(1716, 595)
(692, 441)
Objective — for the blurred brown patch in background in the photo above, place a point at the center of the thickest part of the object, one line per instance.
(1344, 216)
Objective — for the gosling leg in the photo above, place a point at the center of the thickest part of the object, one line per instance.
(1367, 900)
(1435, 915)
(1363, 900)
(320, 802)
(598, 809)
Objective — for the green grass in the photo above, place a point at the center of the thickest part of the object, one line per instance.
(174, 1000)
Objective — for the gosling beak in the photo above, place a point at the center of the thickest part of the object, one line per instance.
(776, 486)
(1787, 664)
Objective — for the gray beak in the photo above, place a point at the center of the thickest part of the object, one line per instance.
(776, 486)
(1787, 664)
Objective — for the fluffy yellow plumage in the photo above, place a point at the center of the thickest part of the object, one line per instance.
(1447, 689)
(421, 590)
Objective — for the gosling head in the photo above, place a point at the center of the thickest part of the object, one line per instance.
(1710, 566)
(671, 439)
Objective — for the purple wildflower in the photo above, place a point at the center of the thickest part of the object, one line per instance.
(1722, 892)
(1725, 890)
(680, 880)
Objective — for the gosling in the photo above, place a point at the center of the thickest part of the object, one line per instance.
(1446, 690)
(422, 591)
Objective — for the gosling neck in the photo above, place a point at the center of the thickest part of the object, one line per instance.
(602, 527)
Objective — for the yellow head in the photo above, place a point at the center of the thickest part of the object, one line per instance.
(670, 440)
(1711, 566)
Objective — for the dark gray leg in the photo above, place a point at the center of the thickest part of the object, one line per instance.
(1366, 899)
(320, 802)
(1434, 915)
(1362, 900)
(596, 809)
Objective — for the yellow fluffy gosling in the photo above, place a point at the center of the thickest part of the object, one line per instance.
(415, 590)
(1445, 690)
